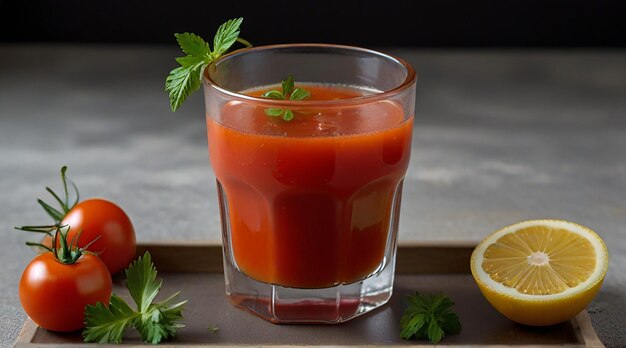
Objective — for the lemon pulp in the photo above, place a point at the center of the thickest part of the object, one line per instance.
(540, 260)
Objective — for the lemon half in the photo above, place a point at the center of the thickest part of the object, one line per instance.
(540, 272)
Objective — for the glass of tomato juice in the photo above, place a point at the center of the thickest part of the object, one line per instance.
(309, 207)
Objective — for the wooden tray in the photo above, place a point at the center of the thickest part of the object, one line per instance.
(195, 269)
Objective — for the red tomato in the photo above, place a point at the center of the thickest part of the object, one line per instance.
(101, 218)
(54, 295)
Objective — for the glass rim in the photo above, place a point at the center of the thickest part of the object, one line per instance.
(408, 82)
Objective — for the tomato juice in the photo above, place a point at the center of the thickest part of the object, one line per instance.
(309, 201)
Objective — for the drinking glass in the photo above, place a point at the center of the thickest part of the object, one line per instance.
(309, 207)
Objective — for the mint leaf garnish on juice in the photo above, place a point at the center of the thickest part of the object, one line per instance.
(288, 92)
(186, 79)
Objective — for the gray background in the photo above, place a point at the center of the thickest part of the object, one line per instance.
(500, 136)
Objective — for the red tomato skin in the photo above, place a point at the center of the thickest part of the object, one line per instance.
(99, 217)
(54, 295)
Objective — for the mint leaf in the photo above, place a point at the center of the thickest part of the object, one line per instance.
(181, 83)
(193, 45)
(186, 79)
(273, 94)
(190, 62)
(429, 317)
(435, 333)
(287, 86)
(288, 91)
(274, 112)
(412, 325)
(226, 36)
(299, 94)
(288, 115)
(450, 323)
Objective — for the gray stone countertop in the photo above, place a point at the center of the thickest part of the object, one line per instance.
(500, 136)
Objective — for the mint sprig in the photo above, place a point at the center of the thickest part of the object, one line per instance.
(288, 92)
(429, 316)
(186, 79)
(155, 321)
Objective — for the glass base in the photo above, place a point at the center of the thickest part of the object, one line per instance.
(284, 305)
(329, 305)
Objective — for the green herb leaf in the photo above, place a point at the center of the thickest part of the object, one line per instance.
(181, 83)
(213, 329)
(190, 62)
(450, 323)
(273, 94)
(107, 324)
(288, 115)
(429, 316)
(274, 112)
(157, 324)
(226, 36)
(170, 309)
(435, 333)
(299, 94)
(186, 79)
(288, 92)
(154, 321)
(287, 86)
(192, 45)
(410, 325)
(141, 281)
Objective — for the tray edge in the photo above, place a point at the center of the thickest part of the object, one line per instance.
(407, 264)
(581, 323)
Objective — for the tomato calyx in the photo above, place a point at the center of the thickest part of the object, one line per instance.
(57, 214)
(66, 252)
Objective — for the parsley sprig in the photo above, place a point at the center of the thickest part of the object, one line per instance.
(154, 321)
(288, 92)
(429, 316)
(186, 79)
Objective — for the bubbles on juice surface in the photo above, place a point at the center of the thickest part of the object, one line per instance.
(325, 120)
(327, 126)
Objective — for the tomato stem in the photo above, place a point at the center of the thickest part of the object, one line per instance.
(38, 245)
(58, 199)
(63, 170)
(84, 249)
(47, 229)
(55, 213)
